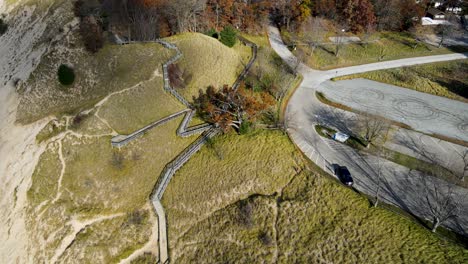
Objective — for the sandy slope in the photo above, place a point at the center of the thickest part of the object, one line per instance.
(19, 153)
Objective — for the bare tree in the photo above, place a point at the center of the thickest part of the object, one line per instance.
(368, 31)
(418, 35)
(373, 127)
(144, 21)
(446, 30)
(283, 87)
(339, 39)
(91, 33)
(382, 52)
(441, 201)
(388, 14)
(284, 12)
(313, 32)
(117, 160)
(184, 14)
(296, 63)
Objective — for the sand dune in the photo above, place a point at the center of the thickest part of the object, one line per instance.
(19, 153)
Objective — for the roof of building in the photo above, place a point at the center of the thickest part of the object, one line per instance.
(435, 11)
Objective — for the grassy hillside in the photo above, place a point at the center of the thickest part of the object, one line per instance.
(113, 68)
(448, 79)
(81, 178)
(86, 196)
(135, 108)
(269, 206)
(243, 167)
(206, 61)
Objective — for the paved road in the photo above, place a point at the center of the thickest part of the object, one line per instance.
(400, 186)
(421, 111)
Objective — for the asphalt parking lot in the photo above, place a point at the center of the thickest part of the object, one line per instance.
(427, 148)
(423, 112)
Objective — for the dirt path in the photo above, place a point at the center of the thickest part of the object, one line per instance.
(151, 246)
(77, 227)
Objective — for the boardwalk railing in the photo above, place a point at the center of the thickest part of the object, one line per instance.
(185, 131)
(167, 83)
(122, 140)
(172, 167)
(247, 67)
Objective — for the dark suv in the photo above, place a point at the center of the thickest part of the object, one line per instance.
(343, 174)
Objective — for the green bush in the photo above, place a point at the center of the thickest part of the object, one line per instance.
(3, 27)
(212, 33)
(66, 75)
(245, 127)
(228, 36)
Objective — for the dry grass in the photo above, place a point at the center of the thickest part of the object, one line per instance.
(386, 46)
(112, 240)
(112, 69)
(269, 64)
(448, 79)
(45, 177)
(244, 51)
(53, 128)
(123, 186)
(206, 61)
(261, 40)
(220, 175)
(140, 106)
(95, 184)
(99, 180)
(318, 220)
(146, 258)
(90, 125)
(233, 235)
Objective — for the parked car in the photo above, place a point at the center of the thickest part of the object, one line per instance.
(344, 175)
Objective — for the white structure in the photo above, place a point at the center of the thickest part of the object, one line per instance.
(341, 137)
(427, 21)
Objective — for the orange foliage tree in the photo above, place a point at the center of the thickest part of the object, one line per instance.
(229, 108)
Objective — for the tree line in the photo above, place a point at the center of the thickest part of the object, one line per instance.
(150, 19)
(356, 15)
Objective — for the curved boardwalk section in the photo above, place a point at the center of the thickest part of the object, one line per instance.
(207, 130)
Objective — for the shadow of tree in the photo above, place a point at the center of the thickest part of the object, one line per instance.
(336, 119)
(455, 86)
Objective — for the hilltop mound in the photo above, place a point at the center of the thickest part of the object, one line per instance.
(206, 61)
